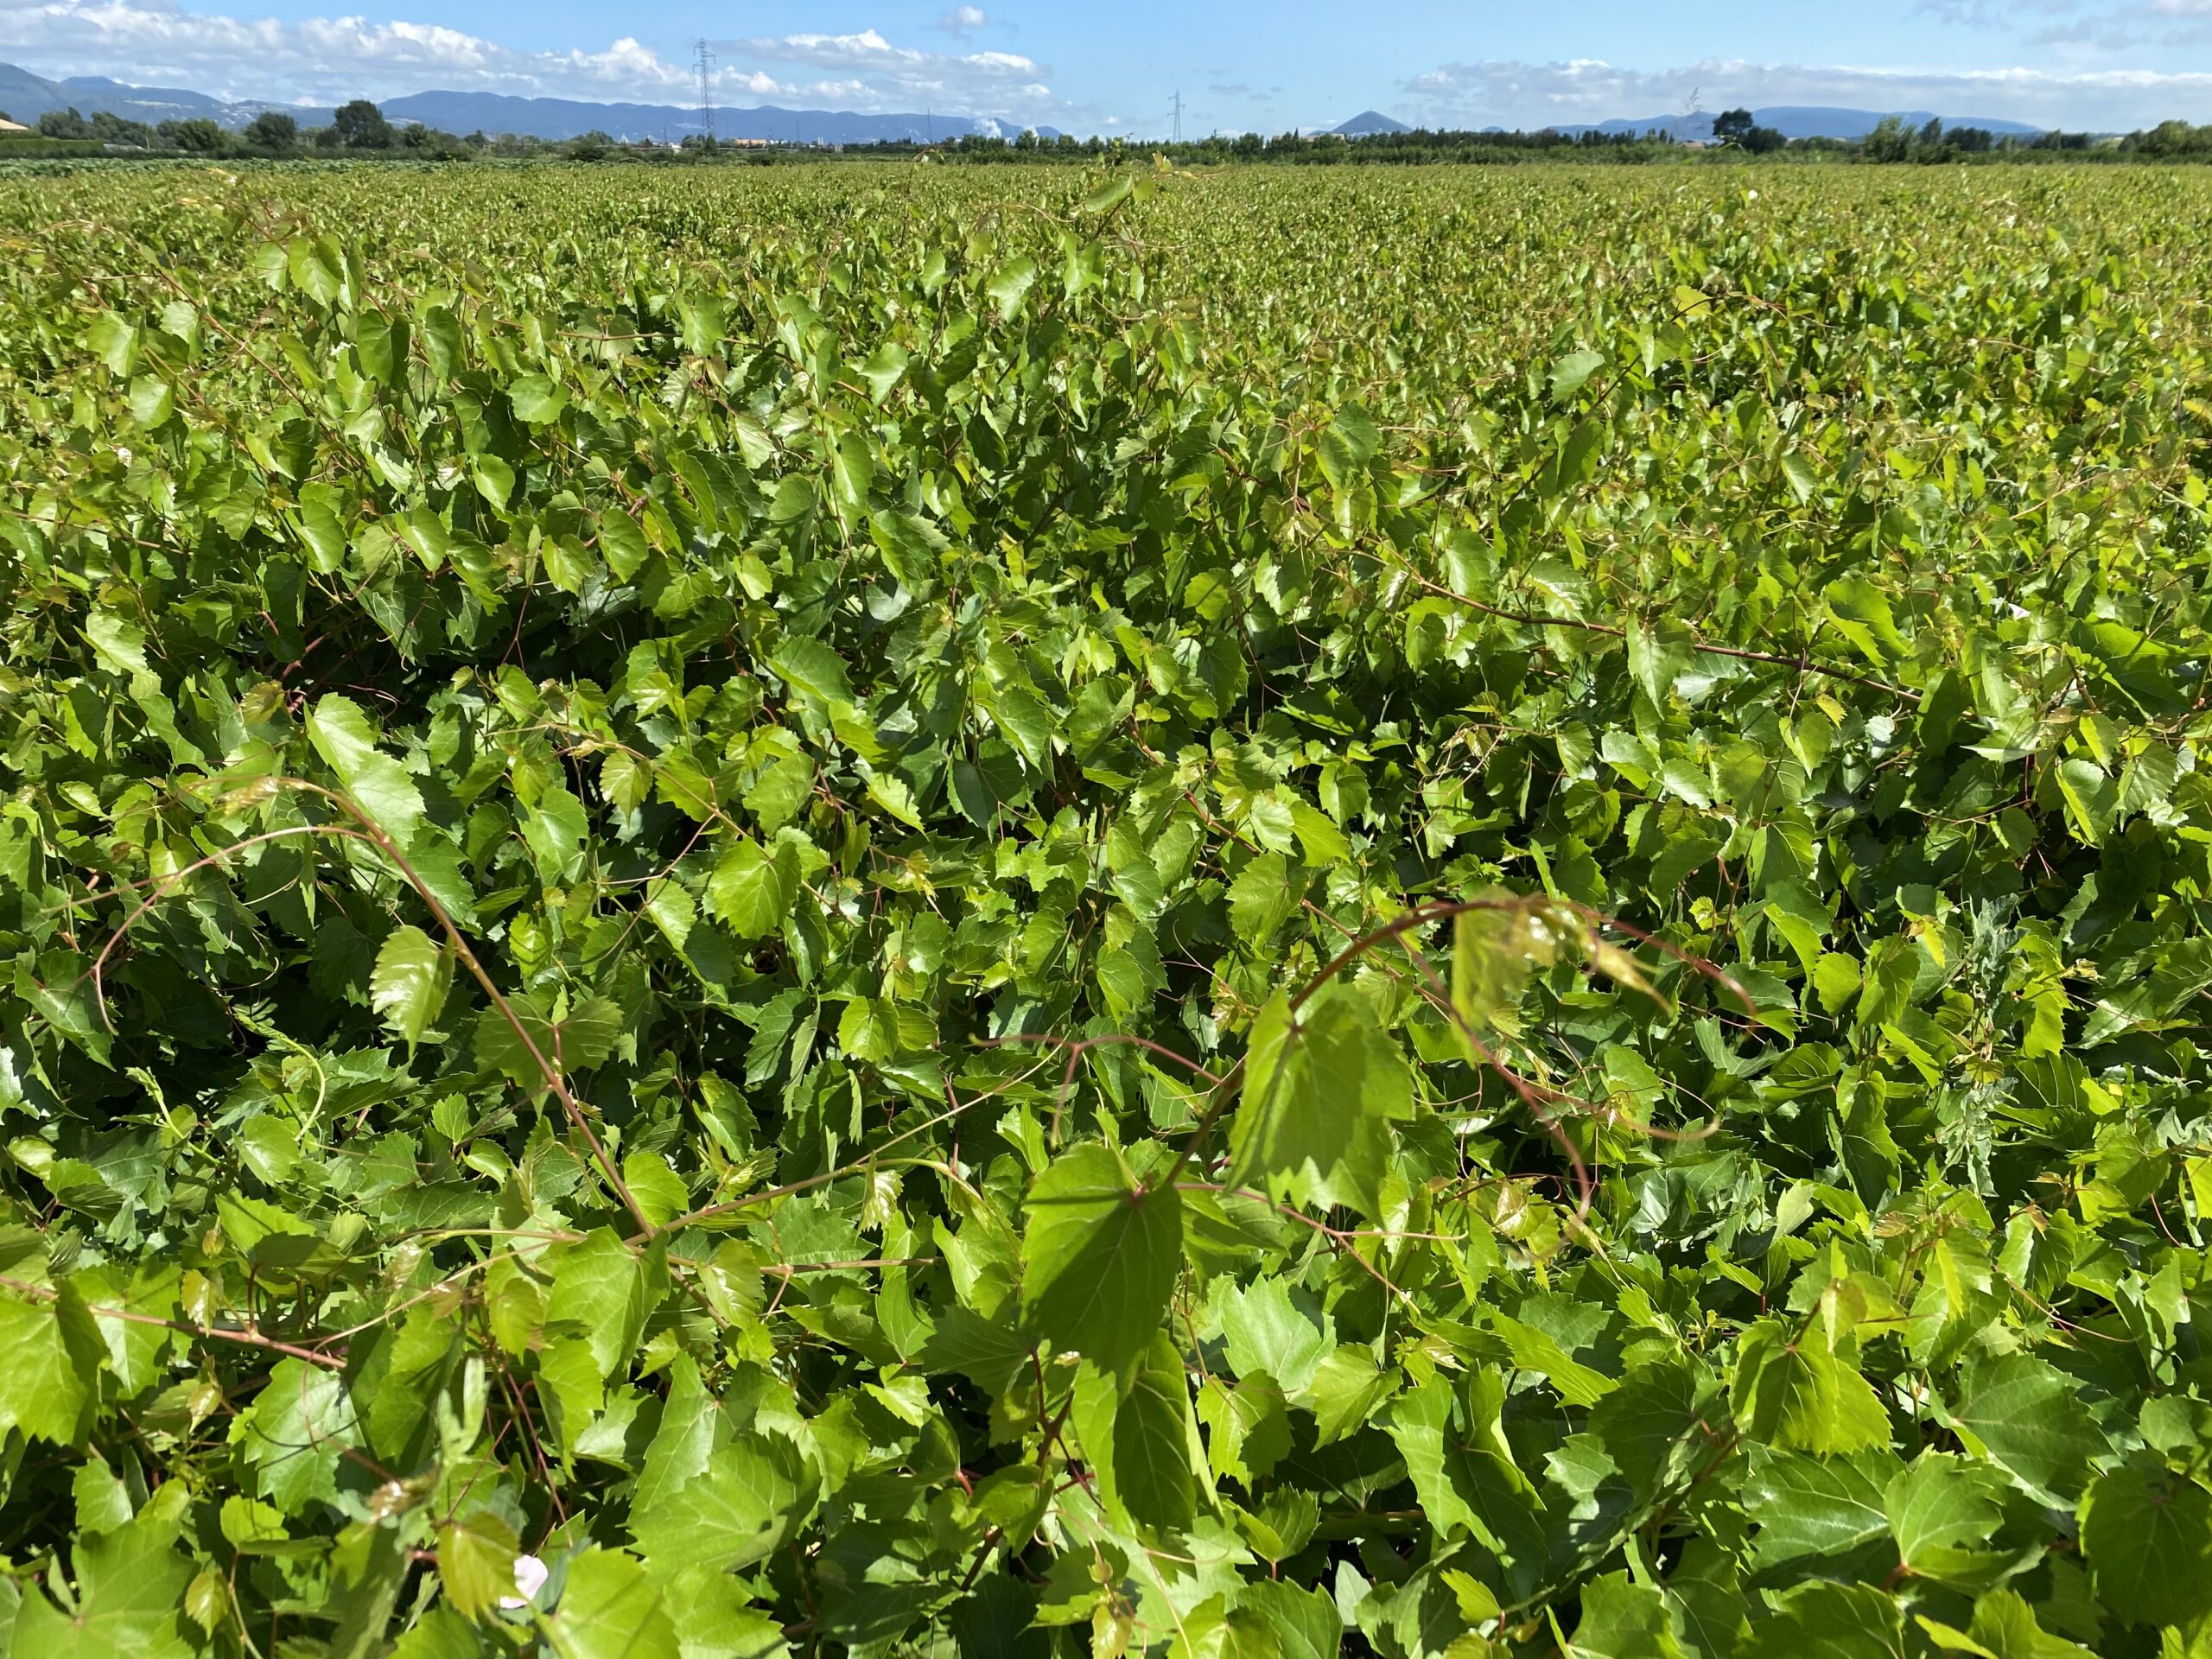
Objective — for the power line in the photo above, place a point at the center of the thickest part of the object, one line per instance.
(705, 64)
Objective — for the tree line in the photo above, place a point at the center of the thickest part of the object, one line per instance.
(360, 129)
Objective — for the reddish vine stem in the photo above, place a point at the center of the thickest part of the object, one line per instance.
(244, 1338)
(375, 835)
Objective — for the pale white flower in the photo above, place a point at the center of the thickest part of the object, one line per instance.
(530, 1578)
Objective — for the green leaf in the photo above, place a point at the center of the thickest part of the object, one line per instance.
(609, 1609)
(910, 547)
(556, 830)
(1534, 1351)
(1348, 443)
(118, 643)
(751, 891)
(114, 342)
(1345, 1390)
(379, 786)
(868, 1029)
(1829, 1621)
(657, 1188)
(1570, 373)
(476, 1563)
(410, 983)
(1799, 1395)
(813, 671)
(1154, 1438)
(2091, 797)
(1622, 1620)
(130, 1585)
(2147, 1533)
(1262, 898)
(370, 1564)
(883, 369)
(295, 1434)
(1802, 477)
(713, 1619)
(1011, 283)
(2031, 1419)
(1830, 1508)
(536, 399)
(1108, 195)
(577, 1041)
(743, 1505)
(1263, 1333)
(1494, 951)
(152, 402)
(1943, 1512)
(1653, 1425)
(1305, 1622)
(1099, 1257)
(55, 1353)
(1861, 611)
(1466, 1480)
(1026, 720)
(2006, 1625)
(1320, 1089)
(599, 1293)
(1247, 1426)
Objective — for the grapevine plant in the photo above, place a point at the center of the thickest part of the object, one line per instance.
(862, 912)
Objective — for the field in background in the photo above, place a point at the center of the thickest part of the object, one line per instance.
(889, 910)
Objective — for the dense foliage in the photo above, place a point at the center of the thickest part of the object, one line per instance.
(907, 911)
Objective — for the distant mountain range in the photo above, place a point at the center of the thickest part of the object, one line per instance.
(561, 117)
(1791, 121)
(1796, 121)
(26, 97)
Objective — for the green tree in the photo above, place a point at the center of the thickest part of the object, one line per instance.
(274, 131)
(1732, 126)
(198, 137)
(64, 123)
(361, 125)
(1889, 142)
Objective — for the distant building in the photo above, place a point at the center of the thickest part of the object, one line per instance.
(6, 126)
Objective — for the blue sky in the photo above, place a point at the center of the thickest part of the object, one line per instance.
(1113, 68)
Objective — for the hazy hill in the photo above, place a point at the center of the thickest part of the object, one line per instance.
(1801, 121)
(562, 117)
(1370, 121)
(26, 97)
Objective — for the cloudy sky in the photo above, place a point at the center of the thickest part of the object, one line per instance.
(1264, 65)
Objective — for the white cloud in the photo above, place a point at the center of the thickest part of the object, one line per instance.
(1516, 94)
(868, 52)
(321, 59)
(963, 21)
(153, 42)
(2084, 26)
(1006, 85)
